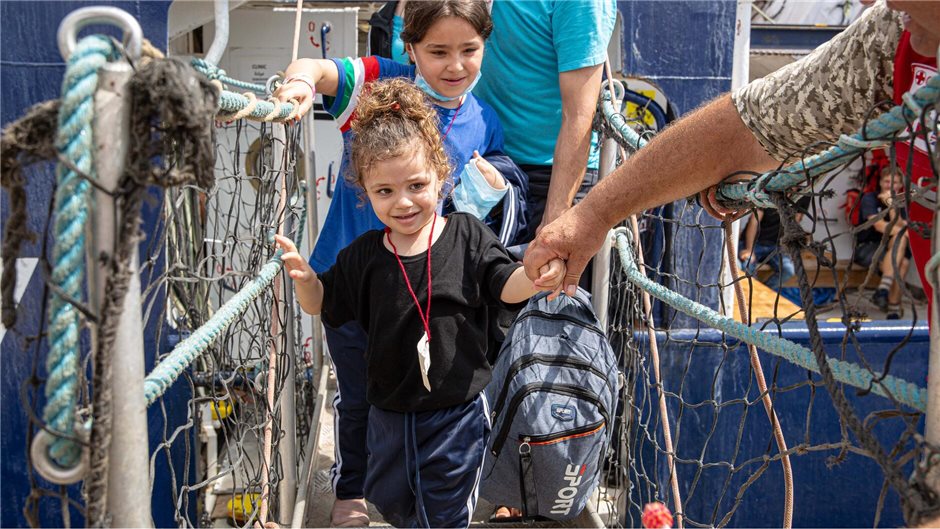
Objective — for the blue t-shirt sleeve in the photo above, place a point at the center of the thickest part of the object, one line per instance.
(581, 32)
(494, 130)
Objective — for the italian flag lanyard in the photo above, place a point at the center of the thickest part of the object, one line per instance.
(424, 347)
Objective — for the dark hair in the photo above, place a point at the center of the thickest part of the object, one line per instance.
(393, 118)
(420, 15)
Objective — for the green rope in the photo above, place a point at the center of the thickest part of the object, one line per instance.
(850, 373)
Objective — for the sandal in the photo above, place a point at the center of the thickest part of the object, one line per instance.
(506, 514)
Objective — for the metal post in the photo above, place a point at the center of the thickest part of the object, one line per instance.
(932, 416)
(600, 279)
(288, 446)
(313, 227)
(220, 41)
(740, 72)
(129, 489)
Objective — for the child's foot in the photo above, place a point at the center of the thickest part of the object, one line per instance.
(894, 312)
(880, 299)
(350, 513)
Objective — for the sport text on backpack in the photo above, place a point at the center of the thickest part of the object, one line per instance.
(553, 396)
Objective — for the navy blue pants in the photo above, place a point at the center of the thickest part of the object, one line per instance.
(424, 467)
(350, 407)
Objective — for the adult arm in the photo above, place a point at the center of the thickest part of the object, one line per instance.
(819, 97)
(579, 89)
(686, 158)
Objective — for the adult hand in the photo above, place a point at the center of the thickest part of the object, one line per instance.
(574, 237)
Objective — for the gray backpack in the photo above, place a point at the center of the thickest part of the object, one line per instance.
(553, 397)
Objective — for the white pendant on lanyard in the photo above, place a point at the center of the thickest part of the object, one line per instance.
(424, 359)
(424, 346)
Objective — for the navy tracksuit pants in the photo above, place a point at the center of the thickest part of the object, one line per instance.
(351, 409)
(424, 467)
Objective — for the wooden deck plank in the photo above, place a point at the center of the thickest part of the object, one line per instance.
(766, 303)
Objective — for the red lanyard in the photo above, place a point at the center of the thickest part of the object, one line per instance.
(426, 315)
(452, 120)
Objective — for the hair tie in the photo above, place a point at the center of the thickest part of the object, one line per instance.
(395, 106)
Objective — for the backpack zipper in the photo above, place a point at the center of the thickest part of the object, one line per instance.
(552, 438)
(555, 316)
(563, 389)
(526, 361)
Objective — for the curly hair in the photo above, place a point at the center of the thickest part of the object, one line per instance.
(393, 118)
(419, 16)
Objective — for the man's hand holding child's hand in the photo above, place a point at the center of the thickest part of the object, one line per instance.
(297, 267)
(551, 277)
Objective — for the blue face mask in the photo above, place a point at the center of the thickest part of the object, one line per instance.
(422, 84)
(474, 194)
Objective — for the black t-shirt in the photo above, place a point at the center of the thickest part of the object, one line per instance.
(468, 271)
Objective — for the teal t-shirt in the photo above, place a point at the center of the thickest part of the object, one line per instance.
(532, 42)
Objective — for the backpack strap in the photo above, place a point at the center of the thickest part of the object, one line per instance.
(527, 491)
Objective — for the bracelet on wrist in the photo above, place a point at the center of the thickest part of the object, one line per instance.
(305, 79)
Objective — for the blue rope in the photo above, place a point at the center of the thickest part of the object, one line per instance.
(74, 142)
(846, 372)
(170, 368)
(215, 73)
(619, 123)
(230, 103)
(875, 133)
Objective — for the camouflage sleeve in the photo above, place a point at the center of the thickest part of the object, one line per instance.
(828, 92)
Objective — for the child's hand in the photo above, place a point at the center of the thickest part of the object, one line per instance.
(489, 172)
(551, 277)
(297, 267)
(300, 88)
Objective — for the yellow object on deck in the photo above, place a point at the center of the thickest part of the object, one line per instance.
(221, 410)
(241, 506)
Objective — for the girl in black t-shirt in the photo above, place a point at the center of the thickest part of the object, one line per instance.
(424, 290)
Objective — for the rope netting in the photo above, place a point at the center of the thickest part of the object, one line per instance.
(846, 387)
(229, 383)
(217, 247)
